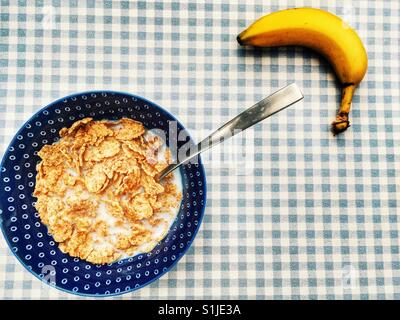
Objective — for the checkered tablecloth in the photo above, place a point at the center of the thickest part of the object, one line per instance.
(294, 213)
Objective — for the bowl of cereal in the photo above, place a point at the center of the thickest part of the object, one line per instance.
(82, 208)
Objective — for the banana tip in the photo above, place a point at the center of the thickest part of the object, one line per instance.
(339, 126)
(239, 40)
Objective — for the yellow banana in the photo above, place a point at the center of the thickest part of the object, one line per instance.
(323, 32)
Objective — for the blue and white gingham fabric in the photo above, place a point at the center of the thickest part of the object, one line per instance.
(301, 214)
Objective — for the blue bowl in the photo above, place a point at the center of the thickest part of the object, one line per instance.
(28, 238)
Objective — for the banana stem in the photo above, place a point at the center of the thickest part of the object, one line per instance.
(342, 118)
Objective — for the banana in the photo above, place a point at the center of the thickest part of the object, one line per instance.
(323, 32)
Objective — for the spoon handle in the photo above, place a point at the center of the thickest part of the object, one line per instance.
(272, 104)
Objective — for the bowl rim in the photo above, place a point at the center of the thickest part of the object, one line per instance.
(174, 263)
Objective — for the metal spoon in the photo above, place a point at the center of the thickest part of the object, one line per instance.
(272, 104)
